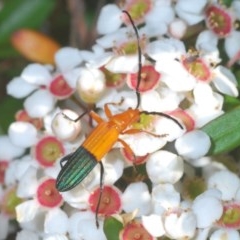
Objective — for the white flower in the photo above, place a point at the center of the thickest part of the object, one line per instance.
(40, 102)
(155, 14)
(180, 225)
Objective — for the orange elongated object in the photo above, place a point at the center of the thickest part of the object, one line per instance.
(35, 46)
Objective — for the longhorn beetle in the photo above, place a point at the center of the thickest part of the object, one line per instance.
(101, 140)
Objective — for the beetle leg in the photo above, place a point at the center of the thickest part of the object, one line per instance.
(130, 151)
(65, 159)
(96, 117)
(107, 110)
(126, 146)
(101, 192)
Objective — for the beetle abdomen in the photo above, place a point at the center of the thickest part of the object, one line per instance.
(77, 167)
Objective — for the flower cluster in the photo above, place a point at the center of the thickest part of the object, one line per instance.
(155, 192)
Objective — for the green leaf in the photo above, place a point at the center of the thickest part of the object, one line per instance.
(8, 107)
(112, 228)
(18, 14)
(230, 103)
(224, 132)
(227, 2)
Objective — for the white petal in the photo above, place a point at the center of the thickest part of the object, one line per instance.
(177, 28)
(160, 14)
(82, 225)
(166, 196)
(10, 173)
(161, 100)
(123, 64)
(166, 49)
(64, 128)
(109, 19)
(8, 150)
(236, 7)
(137, 141)
(168, 128)
(23, 164)
(26, 211)
(205, 97)
(91, 85)
(68, 58)
(39, 103)
(204, 115)
(19, 88)
(77, 197)
(27, 235)
(22, 134)
(113, 167)
(4, 223)
(55, 237)
(192, 145)
(153, 29)
(36, 74)
(114, 39)
(56, 221)
(205, 40)
(202, 233)
(137, 196)
(226, 234)
(72, 76)
(28, 184)
(153, 224)
(225, 81)
(225, 181)
(164, 167)
(207, 210)
(180, 226)
(178, 80)
(189, 11)
(213, 192)
(232, 44)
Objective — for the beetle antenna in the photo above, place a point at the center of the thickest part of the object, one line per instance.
(76, 119)
(164, 115)
(139, 57)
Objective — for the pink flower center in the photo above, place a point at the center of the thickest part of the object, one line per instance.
(48, 150)
(219, 20)
(60, 88)
(197, 67)
(135, 231)
(149, 79)
(47, 194)
(110, 201)
(231, 216)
